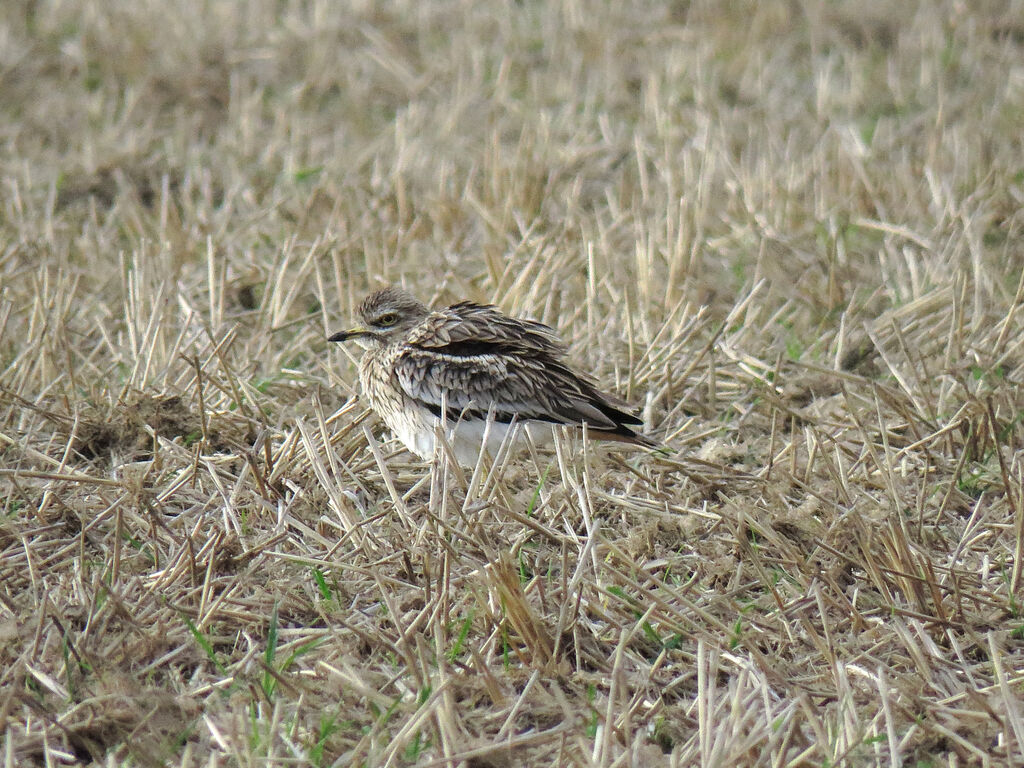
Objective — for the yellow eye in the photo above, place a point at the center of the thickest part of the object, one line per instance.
(387, 319)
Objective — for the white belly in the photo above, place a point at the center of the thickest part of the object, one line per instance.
(418, 431)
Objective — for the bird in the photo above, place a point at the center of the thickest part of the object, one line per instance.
(469, 364)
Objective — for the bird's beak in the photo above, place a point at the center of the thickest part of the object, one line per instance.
(351, 333)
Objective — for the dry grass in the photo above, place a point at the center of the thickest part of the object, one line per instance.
(792, 232)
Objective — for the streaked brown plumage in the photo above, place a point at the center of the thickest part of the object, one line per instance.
(470, 360)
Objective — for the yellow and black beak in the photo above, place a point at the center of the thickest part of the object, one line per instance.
(351, 333)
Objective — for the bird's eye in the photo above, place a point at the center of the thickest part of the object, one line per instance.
(386, 320)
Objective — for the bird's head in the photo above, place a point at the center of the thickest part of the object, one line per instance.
(386, 315)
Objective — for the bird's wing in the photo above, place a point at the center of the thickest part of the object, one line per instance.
(499, 379)
(474, 359)
(472, 385)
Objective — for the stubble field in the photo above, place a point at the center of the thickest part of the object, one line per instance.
(791, 234)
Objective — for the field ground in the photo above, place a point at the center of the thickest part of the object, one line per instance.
(790, 232)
